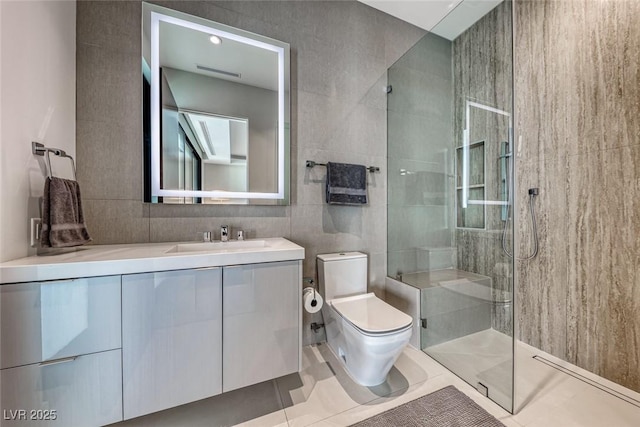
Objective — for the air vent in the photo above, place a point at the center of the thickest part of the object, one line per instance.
(214, 70)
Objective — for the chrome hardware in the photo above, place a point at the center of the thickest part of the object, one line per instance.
(40, 150)
(483, 389)
(312, 164)
(315, 326)
(240, 235)
(224, 233)
(206, 236)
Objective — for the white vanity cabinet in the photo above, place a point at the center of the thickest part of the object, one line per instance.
(261, 322)
(171, 338)
(60, 352)
(177, 324)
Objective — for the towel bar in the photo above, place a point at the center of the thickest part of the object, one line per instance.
(311, 164)
(40, 150)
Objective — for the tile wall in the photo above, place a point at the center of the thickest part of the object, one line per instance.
(340, 52)
(483, 74)
(578, 129)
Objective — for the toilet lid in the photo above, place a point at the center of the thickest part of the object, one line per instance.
(370, 314)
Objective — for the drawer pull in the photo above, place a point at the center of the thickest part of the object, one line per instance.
(57, 361)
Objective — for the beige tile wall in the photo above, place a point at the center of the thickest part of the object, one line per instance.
(577, 91)
(483, 73)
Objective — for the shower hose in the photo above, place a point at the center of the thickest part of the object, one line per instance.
(533, 192)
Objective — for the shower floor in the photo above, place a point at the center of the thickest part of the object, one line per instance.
(484, 357)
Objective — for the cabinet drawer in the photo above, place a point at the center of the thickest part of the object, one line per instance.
(85, 391)
(52, 320)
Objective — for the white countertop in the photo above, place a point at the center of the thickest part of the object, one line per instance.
(106, 260)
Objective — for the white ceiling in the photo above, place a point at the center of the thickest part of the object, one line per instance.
(183, 48)
(446, 18)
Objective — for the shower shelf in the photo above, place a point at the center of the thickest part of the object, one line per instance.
(473, 216)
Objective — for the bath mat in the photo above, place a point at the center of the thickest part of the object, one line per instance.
(442, 408)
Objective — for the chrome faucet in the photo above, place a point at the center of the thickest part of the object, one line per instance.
(224, 233)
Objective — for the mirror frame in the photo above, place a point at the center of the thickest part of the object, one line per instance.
(155, 15)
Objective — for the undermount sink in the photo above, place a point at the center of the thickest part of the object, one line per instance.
(218, 246)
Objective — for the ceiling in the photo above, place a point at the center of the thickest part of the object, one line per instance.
(446, 18)
(184, 48)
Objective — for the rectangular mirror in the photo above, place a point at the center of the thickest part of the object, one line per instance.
(216, 112)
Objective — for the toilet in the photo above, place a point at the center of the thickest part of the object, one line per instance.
(366, 334)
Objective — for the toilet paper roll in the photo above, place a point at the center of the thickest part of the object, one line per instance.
(312, 300)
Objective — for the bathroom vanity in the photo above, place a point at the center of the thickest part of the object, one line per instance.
(106, 333)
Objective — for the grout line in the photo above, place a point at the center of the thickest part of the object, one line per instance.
(281, 401)
(398, 392)
(588, 381)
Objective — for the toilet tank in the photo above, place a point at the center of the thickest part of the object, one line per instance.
(342, 274)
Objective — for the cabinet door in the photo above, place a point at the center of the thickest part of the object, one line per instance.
(52, 320)
(83, 391)
(171, 337)
(261, 324)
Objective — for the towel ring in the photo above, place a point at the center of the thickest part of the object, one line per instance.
(40, 150)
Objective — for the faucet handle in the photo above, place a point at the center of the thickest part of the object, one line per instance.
(206, 236)
(240, 234)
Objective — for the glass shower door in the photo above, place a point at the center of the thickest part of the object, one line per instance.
(449, 154)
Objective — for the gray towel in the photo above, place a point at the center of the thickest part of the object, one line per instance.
(346, 184)
(62, 218)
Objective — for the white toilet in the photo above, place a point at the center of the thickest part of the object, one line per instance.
(364, 332)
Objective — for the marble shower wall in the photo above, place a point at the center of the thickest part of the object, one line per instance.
(340, 52)
(482, 69)
(578, 125)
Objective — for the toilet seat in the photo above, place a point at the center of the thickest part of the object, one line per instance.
(370, 315)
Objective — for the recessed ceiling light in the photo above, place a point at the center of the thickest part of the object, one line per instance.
(215, 39)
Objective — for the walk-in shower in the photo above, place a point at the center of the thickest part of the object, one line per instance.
(450, 199)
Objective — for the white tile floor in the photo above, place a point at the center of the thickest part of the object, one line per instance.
(324, 395)
(485, 357)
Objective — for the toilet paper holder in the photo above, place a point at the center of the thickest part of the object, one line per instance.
(312, 283)
(312, 300)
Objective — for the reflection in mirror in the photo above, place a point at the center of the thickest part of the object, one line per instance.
(216, 114)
